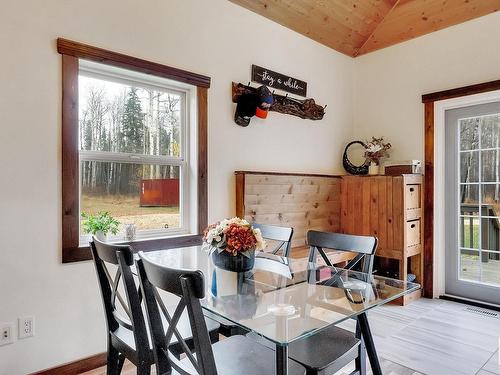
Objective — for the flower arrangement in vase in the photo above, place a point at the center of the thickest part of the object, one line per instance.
(375, 150)
(233, 244)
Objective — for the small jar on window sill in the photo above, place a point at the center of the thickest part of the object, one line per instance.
(130, 232)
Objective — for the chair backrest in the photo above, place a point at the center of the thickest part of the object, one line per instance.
(189, 285)
(122, 257)
(281, 234)
(364, 246)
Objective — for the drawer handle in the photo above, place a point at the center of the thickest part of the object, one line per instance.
(412, 190)
(412, 226)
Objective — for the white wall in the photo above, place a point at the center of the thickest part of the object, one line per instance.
(389, 83)
(213, 37)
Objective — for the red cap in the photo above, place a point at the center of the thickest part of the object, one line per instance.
(261, 113)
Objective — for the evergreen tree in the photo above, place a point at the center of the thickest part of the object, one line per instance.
(132, 132)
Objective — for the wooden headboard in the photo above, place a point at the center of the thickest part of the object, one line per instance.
(301, 201)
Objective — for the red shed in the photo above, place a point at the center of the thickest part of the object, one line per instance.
(160, 192)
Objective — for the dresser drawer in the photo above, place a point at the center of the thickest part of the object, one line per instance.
(412, 196)
(413, 232)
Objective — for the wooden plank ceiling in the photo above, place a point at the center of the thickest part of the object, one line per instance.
(356, 27)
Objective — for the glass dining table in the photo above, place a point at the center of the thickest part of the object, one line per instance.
(286, 299)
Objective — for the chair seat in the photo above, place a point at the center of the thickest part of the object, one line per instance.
(124, 338)
(325, 352)
(240, 355)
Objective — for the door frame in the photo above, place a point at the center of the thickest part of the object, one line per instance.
(434, 106)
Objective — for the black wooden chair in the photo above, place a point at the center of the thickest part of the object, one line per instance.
(339, 347)
(364, 246)
(282, 235)
(283, 238)
(128, 336)
(234, 355)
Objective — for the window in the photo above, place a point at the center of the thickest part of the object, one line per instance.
(134, 139)
(134, 153)
(479, 198)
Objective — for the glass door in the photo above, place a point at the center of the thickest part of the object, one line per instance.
(473, 202)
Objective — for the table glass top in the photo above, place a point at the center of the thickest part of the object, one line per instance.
(284, 299)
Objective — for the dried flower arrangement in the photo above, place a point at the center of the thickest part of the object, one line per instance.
(377, 149)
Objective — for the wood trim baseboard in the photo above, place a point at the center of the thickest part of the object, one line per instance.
(76, 367)
(84, 51)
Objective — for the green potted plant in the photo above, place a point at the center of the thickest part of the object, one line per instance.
(100, 225)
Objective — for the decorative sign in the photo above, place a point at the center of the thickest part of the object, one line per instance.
(278, 81)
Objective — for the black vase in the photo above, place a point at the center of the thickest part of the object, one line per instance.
(235, 263)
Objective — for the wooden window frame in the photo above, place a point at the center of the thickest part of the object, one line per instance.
(429, 100)
(71, 52)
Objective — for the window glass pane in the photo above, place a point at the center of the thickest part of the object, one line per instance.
(491, 196)
(490, 131)
(469, 199)
(469, 265)
(143, 194)
(490, 267)
(121, 118)
(469, 134)
(469, 232)
(490, 166)
(490, 234)
(469, 166)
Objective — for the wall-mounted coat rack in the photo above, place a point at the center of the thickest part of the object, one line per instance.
(306, 109)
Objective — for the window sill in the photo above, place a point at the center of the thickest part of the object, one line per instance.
(82, 253)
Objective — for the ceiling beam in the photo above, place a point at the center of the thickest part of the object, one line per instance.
(356, 53)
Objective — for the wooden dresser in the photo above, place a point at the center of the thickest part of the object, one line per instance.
(390, 208)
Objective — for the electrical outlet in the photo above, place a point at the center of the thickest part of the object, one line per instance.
(26, 327)
(6, 333)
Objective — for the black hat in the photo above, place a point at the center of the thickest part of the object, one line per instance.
(266, 100)
(245, 109)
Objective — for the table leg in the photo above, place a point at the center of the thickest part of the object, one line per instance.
(370, 346)
(281, 359)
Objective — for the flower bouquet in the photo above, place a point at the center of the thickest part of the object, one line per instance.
(375, 150)
(233, 243)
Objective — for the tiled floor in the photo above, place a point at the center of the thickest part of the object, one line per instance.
(428, 337)
(436, 337)
(388, 368)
